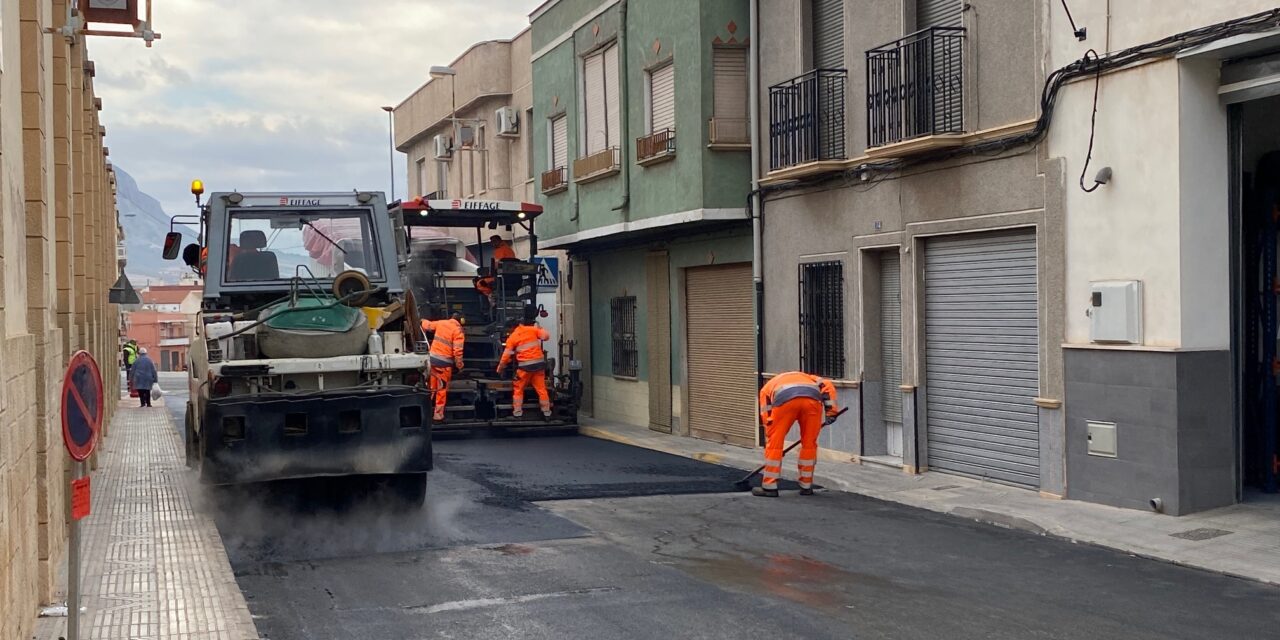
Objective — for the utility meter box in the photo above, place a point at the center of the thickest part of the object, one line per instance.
(1115, 311)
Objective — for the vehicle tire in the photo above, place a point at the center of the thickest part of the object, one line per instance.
(410, 488)
(189, 437)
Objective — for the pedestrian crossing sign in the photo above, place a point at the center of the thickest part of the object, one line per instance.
(548, 273)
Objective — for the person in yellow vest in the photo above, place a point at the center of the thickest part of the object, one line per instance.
(445, 356)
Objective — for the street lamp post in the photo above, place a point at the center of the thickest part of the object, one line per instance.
(391, 150)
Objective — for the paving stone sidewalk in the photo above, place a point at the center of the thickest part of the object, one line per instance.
(154, 566)
(1242, 540)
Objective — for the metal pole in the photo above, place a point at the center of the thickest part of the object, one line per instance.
(391, 153)
(73, 564)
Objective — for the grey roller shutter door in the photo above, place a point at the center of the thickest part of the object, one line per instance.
(594, 103)
(721, 354)
(662, 98)
(559, 143)
(612, 130)
(891, 336)
(939, 13)
(828, 34)
(981, 356)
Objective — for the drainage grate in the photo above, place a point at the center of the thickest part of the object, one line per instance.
(1201, 534)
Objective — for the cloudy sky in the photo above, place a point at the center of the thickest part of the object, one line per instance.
(278, 94)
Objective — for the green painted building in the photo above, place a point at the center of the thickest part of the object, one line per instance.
(642, 148)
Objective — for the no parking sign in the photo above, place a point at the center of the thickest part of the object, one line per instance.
(81, 406)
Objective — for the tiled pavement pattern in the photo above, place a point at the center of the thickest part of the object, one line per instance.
(1241, 540)
(154, 567)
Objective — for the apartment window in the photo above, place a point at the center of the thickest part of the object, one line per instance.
(528, 143)
(600, 101)
(822, 318)
(662, 98)
(622, 318)
(442, 178)
(828, 34)
(420, 174)
(559, 143)
(479, 163)
(729, 95)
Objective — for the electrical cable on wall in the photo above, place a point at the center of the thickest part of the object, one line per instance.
(1093, 123)
(1080, 33)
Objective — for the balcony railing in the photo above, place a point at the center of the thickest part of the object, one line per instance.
(555, 180)
(656, 147)
(915, 87)
(807, 119)
(597, 165)
(728, 132)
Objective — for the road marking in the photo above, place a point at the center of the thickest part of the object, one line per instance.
(481, 603)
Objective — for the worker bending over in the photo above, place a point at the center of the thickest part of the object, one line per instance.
(525, 344)
(786, 399)
(445, 356)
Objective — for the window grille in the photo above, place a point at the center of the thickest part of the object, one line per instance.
(626, 357)
(822, 318)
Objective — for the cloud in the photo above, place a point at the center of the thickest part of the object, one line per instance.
(278, 94)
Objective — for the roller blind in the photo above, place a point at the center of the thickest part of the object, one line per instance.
(662, 98)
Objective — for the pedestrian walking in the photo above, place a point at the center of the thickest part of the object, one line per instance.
(525, 346)
(789, 398)
(143, 377)
(445, 356)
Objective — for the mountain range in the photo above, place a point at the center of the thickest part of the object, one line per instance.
(145, 224)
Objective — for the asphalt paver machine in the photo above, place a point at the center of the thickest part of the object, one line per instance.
(443, 278)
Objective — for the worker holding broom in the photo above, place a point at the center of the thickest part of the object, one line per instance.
(445, 356)
(786, 399)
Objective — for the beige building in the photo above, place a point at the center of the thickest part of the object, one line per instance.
(58, 258)
(487, 154)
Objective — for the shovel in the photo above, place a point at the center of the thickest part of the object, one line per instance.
(745, 483)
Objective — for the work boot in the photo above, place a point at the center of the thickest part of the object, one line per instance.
(762, 492)
(806, 491)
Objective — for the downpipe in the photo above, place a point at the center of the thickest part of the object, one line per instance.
(755, 206)
(624, 114)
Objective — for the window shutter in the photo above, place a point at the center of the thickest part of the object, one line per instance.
(828, 34)
(559, 143)
(662, 98)
(730, 66)
(612, 130)
(593, 103)
(939, 13)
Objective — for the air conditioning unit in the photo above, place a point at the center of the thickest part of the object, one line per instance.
(444, 147)
(508, 121)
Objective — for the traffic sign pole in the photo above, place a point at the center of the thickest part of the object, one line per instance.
(73, 563)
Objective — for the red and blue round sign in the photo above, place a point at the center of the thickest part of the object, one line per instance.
(81, 405)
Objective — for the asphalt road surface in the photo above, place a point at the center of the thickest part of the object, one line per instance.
(571, 537)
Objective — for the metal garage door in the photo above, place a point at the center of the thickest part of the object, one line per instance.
(981, 364)
(721, 353)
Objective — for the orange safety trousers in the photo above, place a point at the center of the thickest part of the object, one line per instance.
(539, 381)
(809, 413)
(440, 377)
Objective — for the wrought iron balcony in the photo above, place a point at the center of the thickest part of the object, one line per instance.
(915, 87)
(807, 119)
(555, 180)
(656, 147)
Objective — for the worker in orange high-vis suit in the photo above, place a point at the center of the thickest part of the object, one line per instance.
(786, 399)
(444, 357)
(525, 345)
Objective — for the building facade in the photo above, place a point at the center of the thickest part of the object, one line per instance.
(640, 127)
(923, 276)
(58, 244)
(1170, 330)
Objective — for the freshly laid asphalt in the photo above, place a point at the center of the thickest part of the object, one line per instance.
(571, 537)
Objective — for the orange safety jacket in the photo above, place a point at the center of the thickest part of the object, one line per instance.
(525, 344)
(485, 285)
(785, 387)
(446, 348)
(503, 252)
